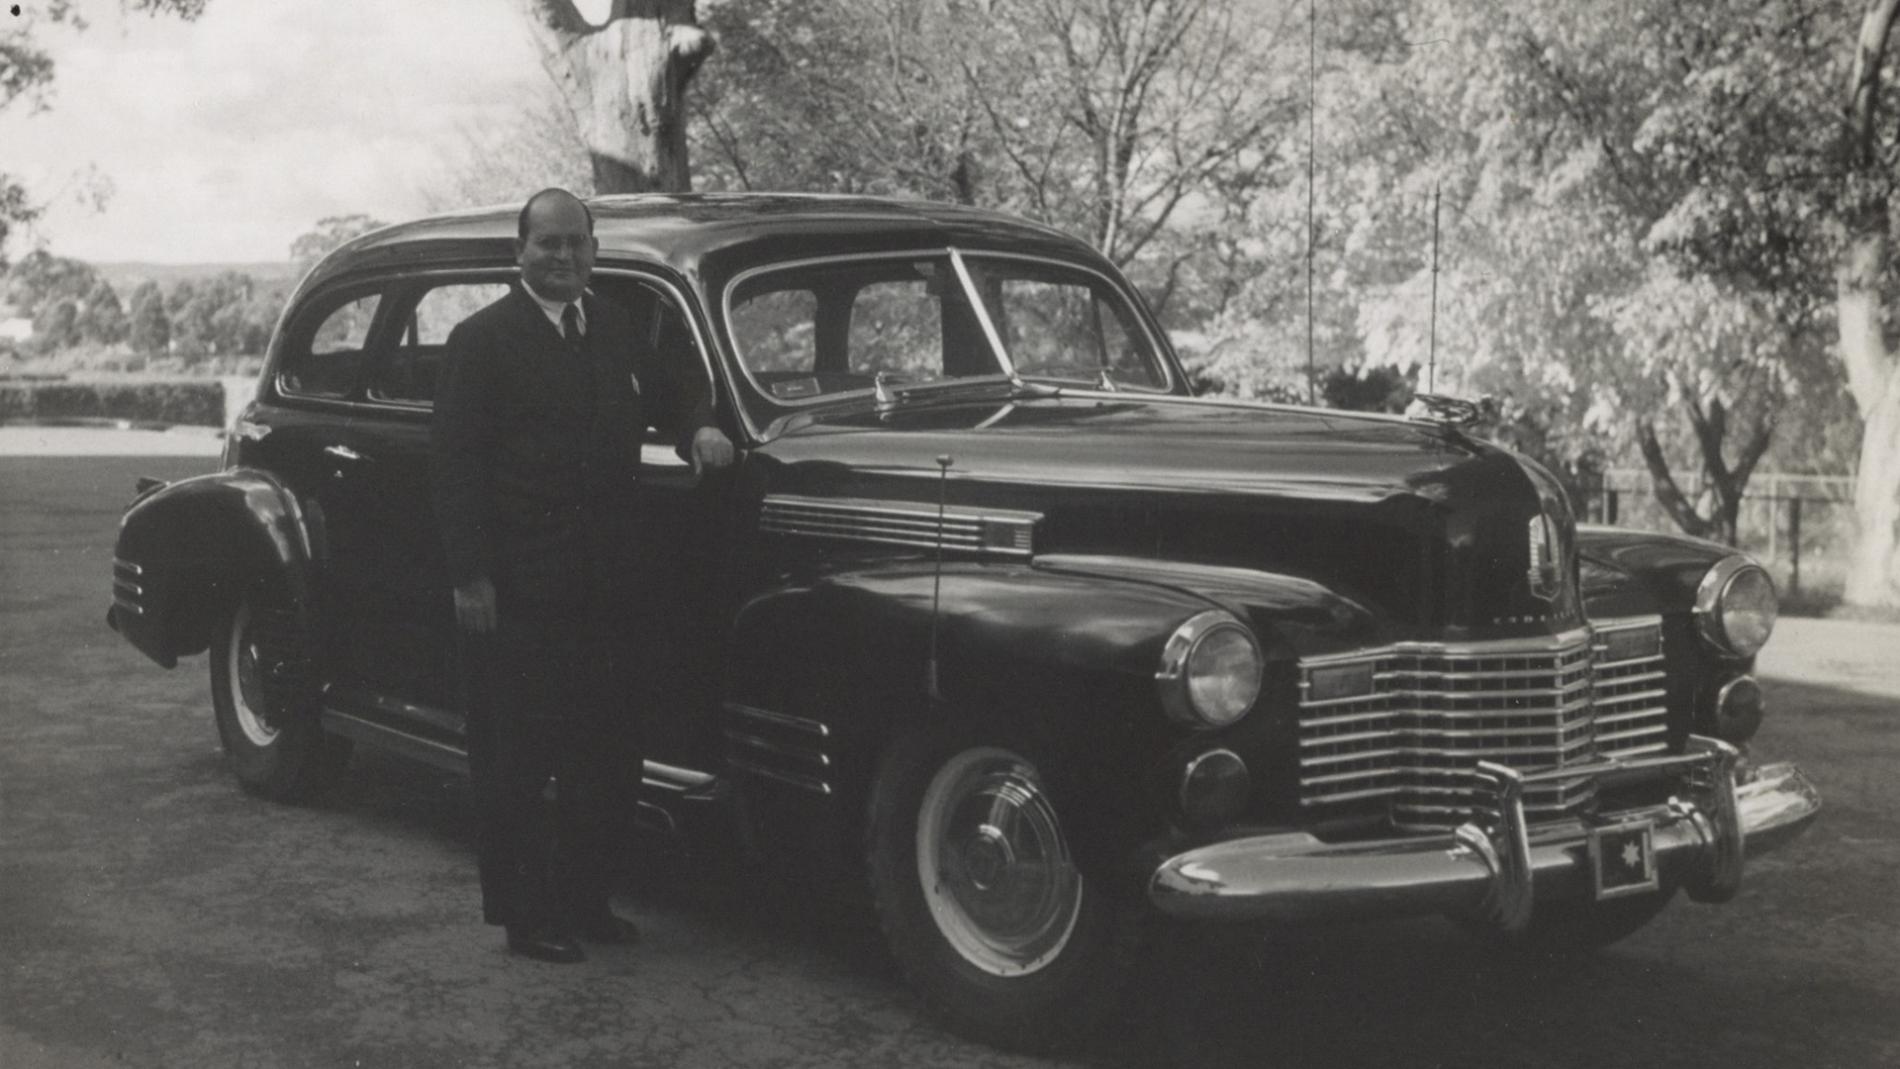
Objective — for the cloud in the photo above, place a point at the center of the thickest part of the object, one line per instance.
(229, 137)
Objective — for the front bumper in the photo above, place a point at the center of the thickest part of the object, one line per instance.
(1698, 840)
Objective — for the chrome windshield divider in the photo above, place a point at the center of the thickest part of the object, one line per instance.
(982, 310)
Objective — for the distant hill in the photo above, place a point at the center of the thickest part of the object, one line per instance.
(126, 277)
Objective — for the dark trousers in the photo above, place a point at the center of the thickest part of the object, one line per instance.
(554, 760)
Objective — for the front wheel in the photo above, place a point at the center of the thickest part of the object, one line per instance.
(264, 703)
(981, 901)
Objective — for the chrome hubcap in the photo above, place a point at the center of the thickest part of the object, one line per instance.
(994, 865)
(247, 680)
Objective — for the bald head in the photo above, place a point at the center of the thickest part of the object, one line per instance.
(551, 194)
(555, 244)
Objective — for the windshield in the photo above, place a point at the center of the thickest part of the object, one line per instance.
(1061, 323)
(811, 332)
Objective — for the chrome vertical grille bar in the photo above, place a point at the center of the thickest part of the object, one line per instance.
(1432, 712)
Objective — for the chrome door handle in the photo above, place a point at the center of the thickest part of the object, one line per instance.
(344, 452)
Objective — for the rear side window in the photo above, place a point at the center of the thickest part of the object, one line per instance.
(776, 328)
(408, 375)
(896, 327)
(326, 350)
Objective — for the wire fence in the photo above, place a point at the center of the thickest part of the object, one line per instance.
(1798, 526)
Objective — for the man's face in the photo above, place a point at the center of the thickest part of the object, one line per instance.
(558, 254)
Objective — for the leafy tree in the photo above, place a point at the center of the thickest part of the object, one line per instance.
(507, 157)
(149, 325)
(56, 326)
(26, 75)
(331, 233)
(1379, 388)
(1143, 126)
(40, 278)
(102, 320)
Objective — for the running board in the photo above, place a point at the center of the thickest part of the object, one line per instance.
(428, 751)
(673, 783)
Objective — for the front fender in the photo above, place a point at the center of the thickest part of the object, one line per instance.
(186, 549)
(1003, 632)
(824, 670)
(1628, 573)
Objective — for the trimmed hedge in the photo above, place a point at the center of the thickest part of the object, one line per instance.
(196, 402)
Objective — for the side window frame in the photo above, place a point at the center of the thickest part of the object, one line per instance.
(667, 291)
(300, 332)
(402, 298)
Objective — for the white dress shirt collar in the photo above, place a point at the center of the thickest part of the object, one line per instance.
(553, 309)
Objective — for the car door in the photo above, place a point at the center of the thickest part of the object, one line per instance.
(300, 431)
(686, 537)
(406, 627)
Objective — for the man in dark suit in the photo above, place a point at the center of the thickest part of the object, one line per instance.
(539, 416)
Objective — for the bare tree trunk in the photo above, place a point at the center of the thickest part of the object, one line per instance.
(1668, 494)
(1727, 486)
(1873, 371)
(625, 82)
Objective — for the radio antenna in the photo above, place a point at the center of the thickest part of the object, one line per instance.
(936, 583)
(1431, 372)
(1312, 96)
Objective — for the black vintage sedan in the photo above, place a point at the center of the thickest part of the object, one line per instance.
(993, 612)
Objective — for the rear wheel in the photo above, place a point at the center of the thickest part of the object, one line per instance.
(265, 703)
(982, 903)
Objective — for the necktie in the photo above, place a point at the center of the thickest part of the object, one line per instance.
(571, 323)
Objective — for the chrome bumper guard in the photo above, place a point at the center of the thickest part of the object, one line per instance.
(1697, 839)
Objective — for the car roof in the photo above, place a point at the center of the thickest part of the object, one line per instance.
(706, 234)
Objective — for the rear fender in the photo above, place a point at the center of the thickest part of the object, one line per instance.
(187, 550)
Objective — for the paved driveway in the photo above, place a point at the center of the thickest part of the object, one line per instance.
(153, 915)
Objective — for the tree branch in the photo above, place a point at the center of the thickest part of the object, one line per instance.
(1668, 494)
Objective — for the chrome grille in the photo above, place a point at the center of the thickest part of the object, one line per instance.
(995, 532)
(1409, 723)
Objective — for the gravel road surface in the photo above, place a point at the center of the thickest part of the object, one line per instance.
(151, 914)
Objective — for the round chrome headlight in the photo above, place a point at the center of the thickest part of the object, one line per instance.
(1210, 670)
(1736, 606)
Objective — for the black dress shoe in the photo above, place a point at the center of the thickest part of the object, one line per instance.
(543, 945)
(604, 927)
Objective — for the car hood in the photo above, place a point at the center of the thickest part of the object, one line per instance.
(1431, 528)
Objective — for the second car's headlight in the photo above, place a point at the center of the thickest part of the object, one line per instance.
(1210, 670)
(1736, 607)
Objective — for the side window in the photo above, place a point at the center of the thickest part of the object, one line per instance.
(896, 327)
(408, 375)
(778, 330)
(325, 362)
(658, 317)
(776, 333)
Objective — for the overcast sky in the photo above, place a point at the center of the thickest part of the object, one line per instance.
(226, 138)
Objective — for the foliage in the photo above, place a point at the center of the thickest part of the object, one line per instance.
(102, 320)
(149, 327)
(331, 233)
(1370, 389)
(26, 74)
(1143, 126)
(508, 158)
(198, 402)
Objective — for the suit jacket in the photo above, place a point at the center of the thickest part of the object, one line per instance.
(536, 447)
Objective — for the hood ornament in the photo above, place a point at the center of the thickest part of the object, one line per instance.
(1448, 410)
